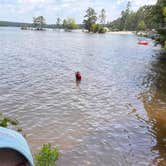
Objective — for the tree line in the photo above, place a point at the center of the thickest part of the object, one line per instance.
(129, 20)
(146, 18)
(91, 22)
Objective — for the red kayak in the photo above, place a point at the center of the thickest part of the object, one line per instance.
(143, 43)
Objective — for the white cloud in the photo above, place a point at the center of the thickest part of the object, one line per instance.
(32, 1)
(137, 3)
(24, 10)
(120, 1)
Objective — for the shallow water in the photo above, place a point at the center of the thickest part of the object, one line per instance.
(115, 117)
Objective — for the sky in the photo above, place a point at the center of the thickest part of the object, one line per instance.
(25, 10)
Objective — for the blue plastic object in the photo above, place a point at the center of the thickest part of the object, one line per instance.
(13, 140)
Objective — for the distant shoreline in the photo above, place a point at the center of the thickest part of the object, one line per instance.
(122, 32)
(111, 32)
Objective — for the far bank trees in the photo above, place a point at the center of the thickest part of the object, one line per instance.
(129, 20)
(39, 22)
(90, 21)
(160, 19)
(69, 24)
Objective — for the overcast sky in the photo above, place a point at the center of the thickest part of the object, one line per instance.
(25, 10)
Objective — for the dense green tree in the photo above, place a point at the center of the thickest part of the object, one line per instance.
(164, 11)
(141, 25)
(129, 20)
(145, 18)
(160, 19)
(145, 13)
(158, 13)
(116, 25)
(39, 22)
(125, 16)
(94, 28)
(69, 24)
(90, 19)
(124, 22)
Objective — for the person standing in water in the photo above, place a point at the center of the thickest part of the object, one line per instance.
(78, 76)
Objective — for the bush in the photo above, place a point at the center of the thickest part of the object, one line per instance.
(94, 28)
(46, 156)
(141, 25)
(3, 122)
(161, 37)
(165, 45)
(70, 24)
(102, 30)
(7, 122)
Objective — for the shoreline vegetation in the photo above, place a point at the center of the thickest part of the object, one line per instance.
(46, 155)
(147, 21)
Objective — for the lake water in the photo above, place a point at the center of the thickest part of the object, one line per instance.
(116, 116)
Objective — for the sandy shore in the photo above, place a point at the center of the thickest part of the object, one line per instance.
(122, 32)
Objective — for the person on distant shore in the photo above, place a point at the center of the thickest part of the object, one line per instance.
(14, 150)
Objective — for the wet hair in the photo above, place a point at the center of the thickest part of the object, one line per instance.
(11, 157)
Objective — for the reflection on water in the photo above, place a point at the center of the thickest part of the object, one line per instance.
(154, 102)
(115, 116)
(78, 82)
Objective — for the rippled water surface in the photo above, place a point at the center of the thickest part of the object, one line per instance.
(115, 117)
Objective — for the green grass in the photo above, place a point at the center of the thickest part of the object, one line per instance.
(19, 129)
(6, 121)
(3, 123)
(47, 156)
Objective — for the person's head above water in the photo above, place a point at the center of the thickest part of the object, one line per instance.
(78, 76)
(14, 150)
(9, 157)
